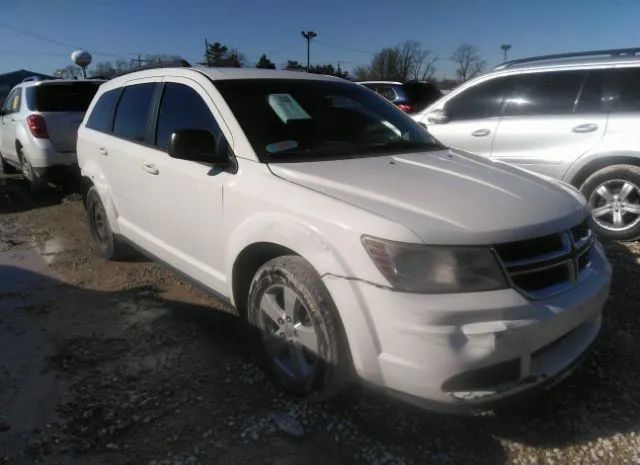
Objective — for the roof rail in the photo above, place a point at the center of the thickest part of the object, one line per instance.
(160, 64)
(35, 78)
(609, 52)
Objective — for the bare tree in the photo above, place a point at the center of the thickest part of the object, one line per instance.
(406, 61)
(468, 61)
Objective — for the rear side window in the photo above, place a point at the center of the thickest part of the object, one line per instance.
(12, 104)
(544, 93)
(133, 111)
(68, 96)
(625, 87)
(387, 92)
(480, 101)
(101, 117)
(182, 107)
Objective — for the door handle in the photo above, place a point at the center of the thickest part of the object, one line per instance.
(481, 133)
(103, 151)
(13, 120)
(151, 169)
(583, 128)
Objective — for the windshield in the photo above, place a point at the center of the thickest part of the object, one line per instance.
(303, 119)
(62, 96)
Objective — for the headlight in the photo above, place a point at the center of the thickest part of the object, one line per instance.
(436, 269)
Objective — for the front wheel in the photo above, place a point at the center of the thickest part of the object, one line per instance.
(613, 194)
(301, 334)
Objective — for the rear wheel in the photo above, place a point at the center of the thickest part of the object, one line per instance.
(613, 194)
(36, 184)
(299, 326)
(109, 246)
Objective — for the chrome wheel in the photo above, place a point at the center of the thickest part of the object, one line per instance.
(615, 205)
(289, 334)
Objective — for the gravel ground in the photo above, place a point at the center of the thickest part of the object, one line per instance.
(123, 363)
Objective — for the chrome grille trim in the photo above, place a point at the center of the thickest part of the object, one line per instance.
(552, 271)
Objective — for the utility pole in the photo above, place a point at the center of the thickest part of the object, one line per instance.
(505, 48)
(308, 35)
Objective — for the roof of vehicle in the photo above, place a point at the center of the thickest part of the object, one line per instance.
(595, 58)
(217, 74)
(56, 81)
(380, 82)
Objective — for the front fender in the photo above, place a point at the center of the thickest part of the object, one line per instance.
(92, 171)
(287, 231)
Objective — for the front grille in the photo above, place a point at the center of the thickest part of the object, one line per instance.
(547, 265)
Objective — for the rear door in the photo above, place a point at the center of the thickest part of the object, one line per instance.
(551, 119)
(126, 153)
(624, 119)
(472, 116)
(63, 105)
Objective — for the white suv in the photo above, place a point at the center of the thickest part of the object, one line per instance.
(338, 227)
(572, 116)
(38, 126)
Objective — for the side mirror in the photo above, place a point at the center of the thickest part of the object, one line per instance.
(438, 117)
(197, 145)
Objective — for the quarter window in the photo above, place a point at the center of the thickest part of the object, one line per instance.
(483, 100)
(544, 93)
(12, 104)
(182, 107)
(133, 111)
(626, 89)
(101, 117)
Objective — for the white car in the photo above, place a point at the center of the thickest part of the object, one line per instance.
(342, 231)
(38, 127)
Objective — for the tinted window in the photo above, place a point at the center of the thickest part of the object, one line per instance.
(182, 108)
(480, 101)
(101, 117)
(8, 104)
(544, 93)
(421, 94)
(133, 111)
(387, 92)
(67, 96)
(301, 119)
(591, 98)
(626, 89)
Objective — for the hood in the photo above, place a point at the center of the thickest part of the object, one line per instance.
(445, 196)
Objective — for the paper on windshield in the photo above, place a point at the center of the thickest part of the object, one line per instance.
(287, 108)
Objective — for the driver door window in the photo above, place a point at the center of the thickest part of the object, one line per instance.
(473, 117)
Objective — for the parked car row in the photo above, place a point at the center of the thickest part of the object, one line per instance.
(355, 243)
(411, 97)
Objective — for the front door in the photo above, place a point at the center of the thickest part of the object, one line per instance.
(184, 198)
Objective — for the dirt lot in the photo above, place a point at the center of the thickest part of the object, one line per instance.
(123, 363)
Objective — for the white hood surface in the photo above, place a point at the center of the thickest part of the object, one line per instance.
(445, 196)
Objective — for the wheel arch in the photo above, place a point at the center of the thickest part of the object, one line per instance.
(579, 172)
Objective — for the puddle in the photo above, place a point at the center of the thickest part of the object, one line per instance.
(49, 248)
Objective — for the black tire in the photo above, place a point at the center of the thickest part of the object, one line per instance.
(612, 177)
(5, 167)
(333, 368)
(109, 246)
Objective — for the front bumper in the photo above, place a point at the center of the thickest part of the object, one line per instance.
(461, 350)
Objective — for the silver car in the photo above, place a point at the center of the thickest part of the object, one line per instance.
(573, 117)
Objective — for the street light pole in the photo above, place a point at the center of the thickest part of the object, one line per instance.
(308, 35)
(505, 48)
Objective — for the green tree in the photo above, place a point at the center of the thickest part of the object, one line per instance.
(265, 63)
(221, 56)
(329, 70)
(293, 65)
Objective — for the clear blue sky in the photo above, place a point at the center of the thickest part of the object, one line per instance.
(348, 30)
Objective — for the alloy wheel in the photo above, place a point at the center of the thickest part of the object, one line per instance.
(289, 334)
(615, 205)
(100, 225)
